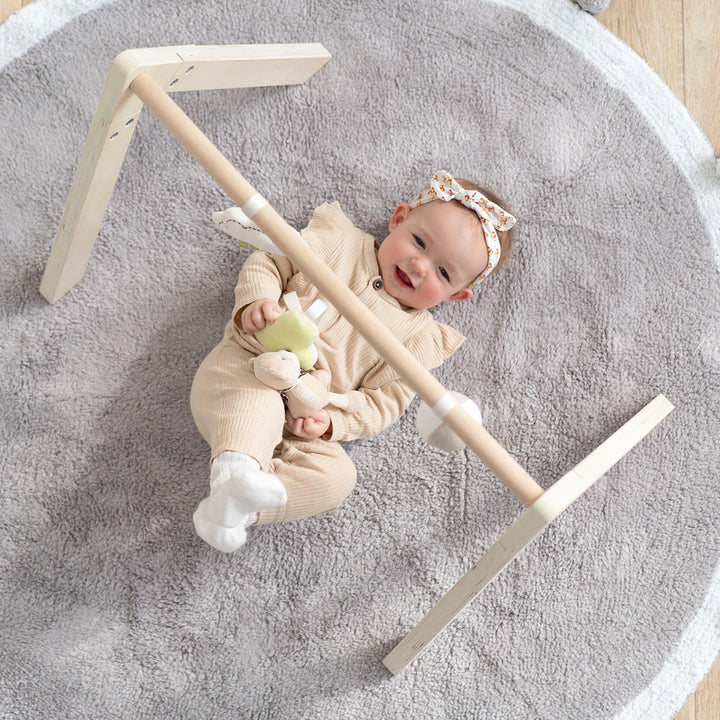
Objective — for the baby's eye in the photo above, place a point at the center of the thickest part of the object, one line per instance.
(419, 242)
(445, 274)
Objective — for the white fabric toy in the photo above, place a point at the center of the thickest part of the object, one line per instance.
(237, 224)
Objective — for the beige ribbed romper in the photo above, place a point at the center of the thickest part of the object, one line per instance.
(234, 411)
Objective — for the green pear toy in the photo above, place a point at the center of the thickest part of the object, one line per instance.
(294, 331)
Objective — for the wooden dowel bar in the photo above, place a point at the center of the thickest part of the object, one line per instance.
(344, 300)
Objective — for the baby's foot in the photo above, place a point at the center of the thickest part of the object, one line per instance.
(238, 487)
(224, 539)
(238, 491)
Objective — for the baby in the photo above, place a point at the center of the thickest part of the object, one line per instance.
(268, 466)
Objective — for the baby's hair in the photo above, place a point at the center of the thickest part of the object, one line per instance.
(506, 238)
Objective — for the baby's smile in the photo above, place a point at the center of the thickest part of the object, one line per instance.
(403, 278)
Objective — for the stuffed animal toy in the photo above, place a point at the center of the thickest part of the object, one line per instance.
(306, 393)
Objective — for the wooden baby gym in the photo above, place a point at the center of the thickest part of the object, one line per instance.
(145, 77)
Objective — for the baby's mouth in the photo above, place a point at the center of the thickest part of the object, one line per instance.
(403, 278)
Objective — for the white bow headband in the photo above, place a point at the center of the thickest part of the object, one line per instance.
(444, 187)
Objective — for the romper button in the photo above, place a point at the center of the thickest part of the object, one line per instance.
(378, 284)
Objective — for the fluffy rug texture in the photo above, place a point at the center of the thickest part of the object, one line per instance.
(111, 607)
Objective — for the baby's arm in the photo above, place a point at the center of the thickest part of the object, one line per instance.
(380, 408)
(371, 410)
(383, 394)
(262, 279)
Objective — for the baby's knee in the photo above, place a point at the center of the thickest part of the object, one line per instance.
(318, 475)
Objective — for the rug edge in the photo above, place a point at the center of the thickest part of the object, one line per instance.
(32, 23)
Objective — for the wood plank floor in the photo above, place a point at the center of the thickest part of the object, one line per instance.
(8, 7)
(680, 40)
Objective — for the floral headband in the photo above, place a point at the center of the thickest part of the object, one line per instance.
(444, 187)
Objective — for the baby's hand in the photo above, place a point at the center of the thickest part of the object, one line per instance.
(258, 314)
(310, 427)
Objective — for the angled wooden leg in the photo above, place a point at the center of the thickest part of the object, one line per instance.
(187, 67)
(535, 519)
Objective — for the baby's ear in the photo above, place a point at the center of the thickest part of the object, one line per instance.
(464, 294)
(400, 215)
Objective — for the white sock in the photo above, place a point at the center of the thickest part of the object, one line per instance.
(238, 491)
(227, 463)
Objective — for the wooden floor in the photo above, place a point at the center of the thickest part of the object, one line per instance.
(7, 7)
(680, 40)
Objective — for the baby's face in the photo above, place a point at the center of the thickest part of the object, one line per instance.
(432, 253)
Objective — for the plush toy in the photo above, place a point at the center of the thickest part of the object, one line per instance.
(237, 224)
(305, 394)
(294, 330)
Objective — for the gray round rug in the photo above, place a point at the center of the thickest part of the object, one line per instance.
(113, 608)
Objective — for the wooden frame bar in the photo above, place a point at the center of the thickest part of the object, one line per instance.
(343, 299)
(528, 526)
(185, 67)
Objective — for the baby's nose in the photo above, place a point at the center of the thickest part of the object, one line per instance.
(418, 267)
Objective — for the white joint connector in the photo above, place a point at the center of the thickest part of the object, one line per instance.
(444, 405)
(254, 204)
(315, 311)
(292, 302)
(430, 421)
